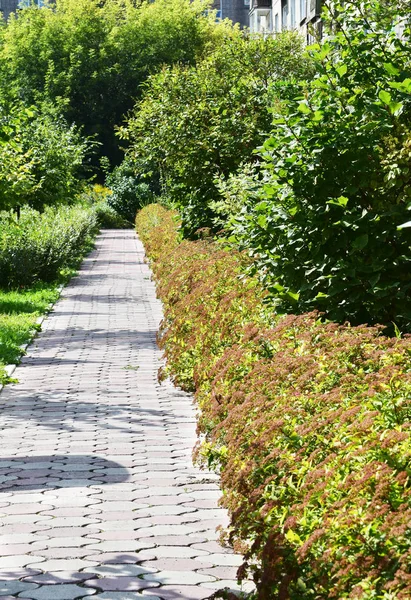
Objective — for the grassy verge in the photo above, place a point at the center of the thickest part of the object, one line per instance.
(38, 254)
(19, 311)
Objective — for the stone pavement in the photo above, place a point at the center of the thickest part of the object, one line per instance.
(98, 494)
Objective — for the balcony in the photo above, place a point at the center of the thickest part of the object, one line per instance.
(261, 4)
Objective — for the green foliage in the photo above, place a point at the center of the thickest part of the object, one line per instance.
(129, 193)
(324, 224)
(195, 124)
(308, 423)
(107, 218)
(40, 159)
(39, 245)
(19, 311)
(91, 57)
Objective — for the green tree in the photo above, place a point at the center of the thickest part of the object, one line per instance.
(40, 159)
(197, 123)
(91, 57)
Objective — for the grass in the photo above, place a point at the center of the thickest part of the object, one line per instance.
(19, 310)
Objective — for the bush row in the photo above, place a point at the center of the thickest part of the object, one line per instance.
(38, 245)
(307, 421)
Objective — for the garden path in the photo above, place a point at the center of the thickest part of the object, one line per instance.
(98, 494)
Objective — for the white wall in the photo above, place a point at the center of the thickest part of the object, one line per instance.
(284, 15)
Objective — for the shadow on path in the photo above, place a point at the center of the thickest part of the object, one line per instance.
(56, 471)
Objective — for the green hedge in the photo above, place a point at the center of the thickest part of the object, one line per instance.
(39, 245)
(308, 422)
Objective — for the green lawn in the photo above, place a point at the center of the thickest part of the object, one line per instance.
(19, 311)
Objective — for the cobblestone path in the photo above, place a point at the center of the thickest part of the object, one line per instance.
(98, 495)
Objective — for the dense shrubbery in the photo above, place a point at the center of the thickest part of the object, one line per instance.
(323, 227)
(320, 208)
(97, 197)
(91, 57)
(309, 423)
(38, 245)
(198, 123)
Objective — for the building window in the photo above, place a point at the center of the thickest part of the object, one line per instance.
(292, 14)
(277, 22)
(303, 10)
(284, 16)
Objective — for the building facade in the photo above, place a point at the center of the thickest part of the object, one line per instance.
(272, 16)
(10, 6)
(238, 11)
(7, 7)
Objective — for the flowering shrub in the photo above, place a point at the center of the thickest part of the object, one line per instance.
(307, 422)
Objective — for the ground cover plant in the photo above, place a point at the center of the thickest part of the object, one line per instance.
(308, 422)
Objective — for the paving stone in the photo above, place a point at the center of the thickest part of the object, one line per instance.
(15, 587)
(176, 577)
(17, 561)
(71, 542)
(26, 509)
(58, 577)
(212, 547)
(119, 570)
(172, 552)
(63, 564)
(123, 545)
(170, 540)
(179, 592)
(21, 549)
(177, 564)
(71, 532)
(59, 592)
(121, 596)
(230, 585)
(229, 560)
(120, 584)
(220, 572)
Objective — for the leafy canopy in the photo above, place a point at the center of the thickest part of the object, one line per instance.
(197, 123)
(91, 57)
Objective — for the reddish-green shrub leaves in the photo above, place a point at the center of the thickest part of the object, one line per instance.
(309, 424)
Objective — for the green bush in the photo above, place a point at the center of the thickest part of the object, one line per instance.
(323, 225)
(129, 193)
(39, 245)
(107, 218)
(308, 423)
(195, 124)
(41, 158)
